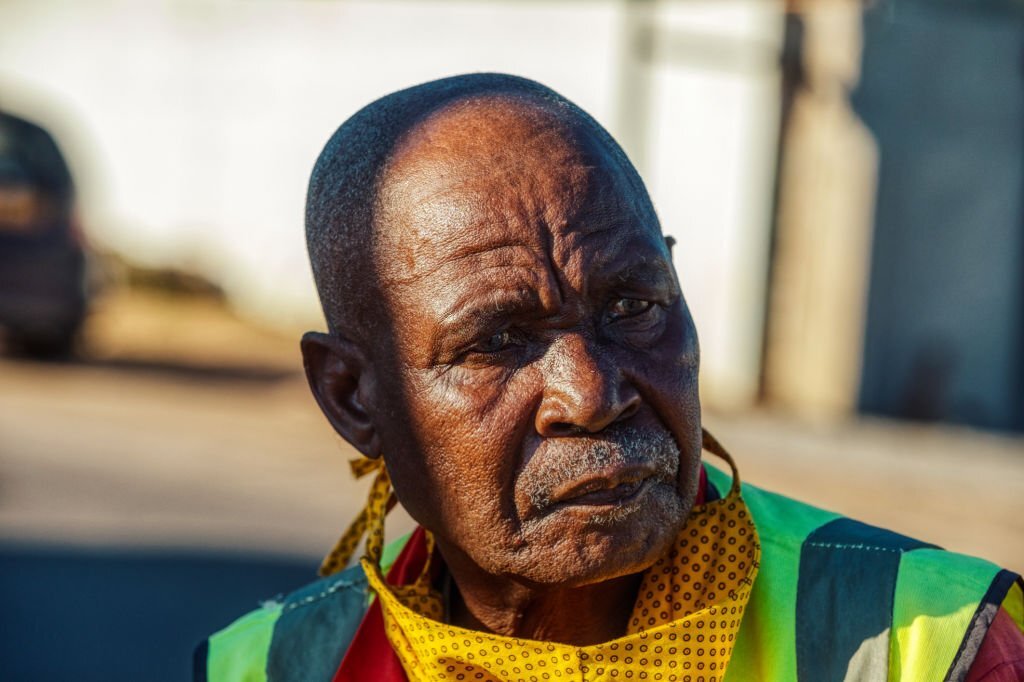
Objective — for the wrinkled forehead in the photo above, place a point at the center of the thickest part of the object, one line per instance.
(499, 170)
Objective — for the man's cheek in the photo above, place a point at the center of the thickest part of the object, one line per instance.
(473, 514)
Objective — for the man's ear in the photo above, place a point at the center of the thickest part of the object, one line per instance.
(343, 385)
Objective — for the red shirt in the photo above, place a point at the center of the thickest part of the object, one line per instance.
(1001, 656)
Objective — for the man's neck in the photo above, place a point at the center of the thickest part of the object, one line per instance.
(579, 616)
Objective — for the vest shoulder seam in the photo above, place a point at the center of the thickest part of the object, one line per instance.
(354, 585)
(854, 546)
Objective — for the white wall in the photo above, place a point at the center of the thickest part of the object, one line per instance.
(196, 124)
(711, 156)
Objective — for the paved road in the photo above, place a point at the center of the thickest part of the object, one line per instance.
(169, 455)
(139, 475)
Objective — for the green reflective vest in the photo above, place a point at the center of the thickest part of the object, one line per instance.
(835, 599)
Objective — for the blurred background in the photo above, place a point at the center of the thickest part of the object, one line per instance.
(844, 180)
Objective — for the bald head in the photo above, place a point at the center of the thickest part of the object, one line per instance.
(393, 154)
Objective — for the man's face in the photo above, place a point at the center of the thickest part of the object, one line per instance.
(539, 408)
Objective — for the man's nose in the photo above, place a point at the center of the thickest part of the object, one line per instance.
(584, 390)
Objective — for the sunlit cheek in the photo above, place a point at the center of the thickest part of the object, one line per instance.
(494, 412)
(472, 392)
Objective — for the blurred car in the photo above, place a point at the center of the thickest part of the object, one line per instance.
(42, 256)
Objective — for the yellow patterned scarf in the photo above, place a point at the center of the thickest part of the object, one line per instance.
(683, 625)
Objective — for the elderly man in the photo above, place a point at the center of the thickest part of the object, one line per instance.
(508, 336)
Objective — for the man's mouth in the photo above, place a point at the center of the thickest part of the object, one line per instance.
(604, 488)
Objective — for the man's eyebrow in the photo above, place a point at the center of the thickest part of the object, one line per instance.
(474, 310)
(647, 271)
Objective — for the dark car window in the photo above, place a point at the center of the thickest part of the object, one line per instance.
(35, 183)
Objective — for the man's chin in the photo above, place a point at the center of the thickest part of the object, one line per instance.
(576, 545)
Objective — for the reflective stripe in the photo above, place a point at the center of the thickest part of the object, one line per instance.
(765, 648)
(316, 625)
(844, 600)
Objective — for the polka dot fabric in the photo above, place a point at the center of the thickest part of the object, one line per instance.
(371, 519)
(682, 629)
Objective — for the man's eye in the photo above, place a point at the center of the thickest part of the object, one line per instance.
(497, 342)
(628, 307)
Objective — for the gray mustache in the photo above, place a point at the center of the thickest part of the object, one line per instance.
(566, 463)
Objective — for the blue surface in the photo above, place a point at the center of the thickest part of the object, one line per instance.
(111, 615)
